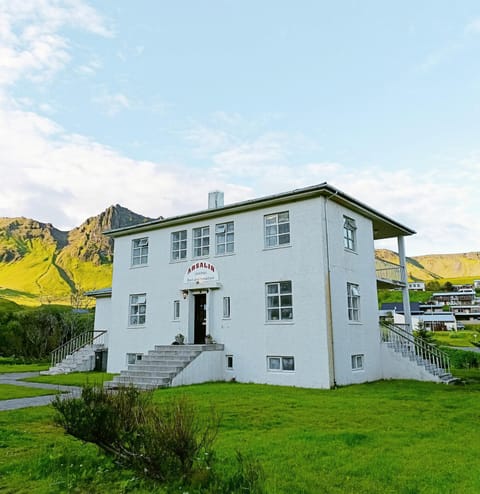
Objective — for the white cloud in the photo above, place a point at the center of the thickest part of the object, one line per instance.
(113, 103)
(30, 41)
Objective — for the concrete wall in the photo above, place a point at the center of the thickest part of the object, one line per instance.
(208, 366)
(396, 366)
(103, 316)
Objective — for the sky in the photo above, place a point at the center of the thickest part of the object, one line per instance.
(151, 104)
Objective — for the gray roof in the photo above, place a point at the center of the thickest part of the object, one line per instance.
(383, 226)
(103, 292)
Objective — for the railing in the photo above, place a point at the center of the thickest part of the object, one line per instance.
(71, 346)
(403, 340)
(388, 270)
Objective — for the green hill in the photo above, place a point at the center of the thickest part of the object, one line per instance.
(39, 263)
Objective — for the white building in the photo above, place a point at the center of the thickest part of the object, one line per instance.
(418, 286)
(286, 285)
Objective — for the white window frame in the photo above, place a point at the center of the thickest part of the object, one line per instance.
(137, 309)
(178, 250)
(277, 295)
(276, 229)
(353, 302)
(229, 362)
(176, 310)
(349, 234)
(227, 308)
(140, 251)
(136, 357)
(224, 238)
(358, 362)
(283, 363)
(201, 241)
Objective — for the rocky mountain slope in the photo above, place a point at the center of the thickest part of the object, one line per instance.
(40, 262)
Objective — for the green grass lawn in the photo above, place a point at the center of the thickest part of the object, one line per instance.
(462, 338)
(10, 391)
(383, 437)
(73, 379)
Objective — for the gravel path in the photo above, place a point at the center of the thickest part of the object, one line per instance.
(36, 401)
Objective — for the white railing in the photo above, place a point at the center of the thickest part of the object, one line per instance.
(388, 270)
(403, 341)
(73, 345)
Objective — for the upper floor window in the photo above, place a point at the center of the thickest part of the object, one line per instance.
(179, 245)
(137, 309)
(349, 233)
(139, 251)
(279, 301)
(353, 302)
(224, 238)
(277, 229)
(201, 241)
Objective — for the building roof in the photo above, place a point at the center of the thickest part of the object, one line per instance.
(383, 226)
(103, 292)
(398, 307)
(438, 317)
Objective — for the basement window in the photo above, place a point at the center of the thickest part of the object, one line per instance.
(132, 358)
(357, 362)
(281, 363)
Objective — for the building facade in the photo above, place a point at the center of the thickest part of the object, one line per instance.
(286, 284)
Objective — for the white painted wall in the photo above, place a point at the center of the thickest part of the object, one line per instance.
(395, 366)
(103, 316)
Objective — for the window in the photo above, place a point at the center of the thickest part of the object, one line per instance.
(357, 362)
(201, 241)
(132, 358)
(279, 301)
(139, 251)
(277, 229)
(226, 307)
(281, 363)
(349, 234)
(229, 361)
(179, 245)
(353, 302)
(176, 309)
(138, 309)
(224, 238)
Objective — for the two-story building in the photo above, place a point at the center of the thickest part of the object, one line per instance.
(284, 285)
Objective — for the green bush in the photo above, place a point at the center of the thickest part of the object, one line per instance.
(461, 359)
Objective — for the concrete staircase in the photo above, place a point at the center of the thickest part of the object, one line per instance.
(426, 356)
(158, 368)
(82, 360)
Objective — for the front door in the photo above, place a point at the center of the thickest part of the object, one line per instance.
(200, 318)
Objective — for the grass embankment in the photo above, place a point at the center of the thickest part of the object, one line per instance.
(73, 379)
(462, 338)
(384, 437)
(10, 392)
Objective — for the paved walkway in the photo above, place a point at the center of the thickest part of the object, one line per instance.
(35, 401)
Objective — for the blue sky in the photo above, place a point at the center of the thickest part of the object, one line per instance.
(151, 104)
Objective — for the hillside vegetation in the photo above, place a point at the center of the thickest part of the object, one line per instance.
(41, 264)
(458, 268)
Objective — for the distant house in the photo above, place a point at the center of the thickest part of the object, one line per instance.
(418, 286)
(464, 297)
(476, 284)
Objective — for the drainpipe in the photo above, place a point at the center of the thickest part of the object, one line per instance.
(403, 277)
(328, 292)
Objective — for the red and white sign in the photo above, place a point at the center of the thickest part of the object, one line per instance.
(200, 272)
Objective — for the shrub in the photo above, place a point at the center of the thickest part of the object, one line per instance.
(167, 442)
(461, 359)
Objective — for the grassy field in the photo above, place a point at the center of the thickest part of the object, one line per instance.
(73, 379)
(10, 392)
(9, 365)
(383, 437)
(461, 338)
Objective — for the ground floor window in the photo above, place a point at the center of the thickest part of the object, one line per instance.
(133, 357)
(357, 361)
(353, 301)
(138, 309)
(229, 361)
(226, 307)
(280, 363)
(176, 309)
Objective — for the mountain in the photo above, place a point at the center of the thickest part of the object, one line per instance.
(41, 263)
(439, 266)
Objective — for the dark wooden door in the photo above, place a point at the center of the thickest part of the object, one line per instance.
(200, 318)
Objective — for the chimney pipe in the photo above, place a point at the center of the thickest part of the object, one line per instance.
(215, 199)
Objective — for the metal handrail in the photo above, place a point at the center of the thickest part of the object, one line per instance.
(387, 270)
(79, 341)
(405, 341)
